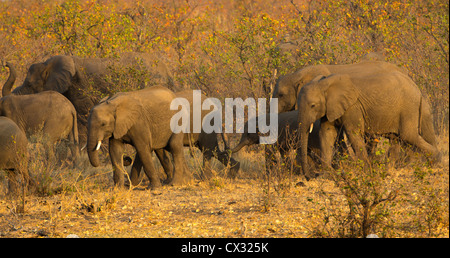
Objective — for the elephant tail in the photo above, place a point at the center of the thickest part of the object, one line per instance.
(420, 114)
(426, 127)
(74, 128)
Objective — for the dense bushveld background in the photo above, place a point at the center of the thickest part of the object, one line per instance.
(237, 49)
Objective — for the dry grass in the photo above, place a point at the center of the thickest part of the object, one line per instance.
(81, 201)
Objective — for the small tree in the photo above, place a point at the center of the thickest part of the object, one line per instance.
(368, 189)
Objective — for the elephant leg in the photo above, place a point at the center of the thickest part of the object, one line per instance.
(166, 163)
(176, 148)
(73, 143)
(395, 150)
(234, 167)
(116, 154)
(225, 158)
(327, 134)
(355, 134)
(207, 144)
(371, 144)
(341, 145)
(145, 155)
(74, 151)
(415, 139)
(206, 169)
(136, 170)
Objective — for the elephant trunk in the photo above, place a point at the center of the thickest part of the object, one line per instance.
(303, 155)
(6, 90)
(244, 142)
(93, 145)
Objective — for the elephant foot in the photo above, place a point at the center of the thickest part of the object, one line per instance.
(181, 179)
(178, 181)
(154, 185)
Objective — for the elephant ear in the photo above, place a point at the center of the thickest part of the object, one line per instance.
(126, 116)
(341, 94)
(58, 73)
(309, 74)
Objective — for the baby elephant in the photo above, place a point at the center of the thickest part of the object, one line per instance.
(13, 153)
(286, 141)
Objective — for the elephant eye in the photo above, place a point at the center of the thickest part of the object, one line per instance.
(313, 105)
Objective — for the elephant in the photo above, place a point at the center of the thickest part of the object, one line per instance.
(286, 141)
(288, 86)
(142, 119)
(49, 112)
(13, 153)
(206, 142)
(383, 103)
(84, 81)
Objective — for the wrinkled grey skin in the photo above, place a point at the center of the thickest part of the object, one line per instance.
(287, 139)
(142, 119)
(83, 80)
(289, 85)
(206, 142)
(13, 153)
(48, 112)
(376, 104)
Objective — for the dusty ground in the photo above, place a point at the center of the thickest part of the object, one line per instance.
(85, 204)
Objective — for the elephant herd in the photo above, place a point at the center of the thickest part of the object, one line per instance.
(318, 105)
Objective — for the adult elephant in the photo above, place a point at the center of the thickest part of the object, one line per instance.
(205, 142)
(287, 139)
(84, 81)
(13, 153)
(375, 104)
(48, 112)
(288, 86)
(139, 118)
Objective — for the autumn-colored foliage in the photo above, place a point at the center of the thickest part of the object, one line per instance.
(236, 46)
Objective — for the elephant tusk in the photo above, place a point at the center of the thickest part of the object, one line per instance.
(84, 147)
(98, 145)
(311, 127)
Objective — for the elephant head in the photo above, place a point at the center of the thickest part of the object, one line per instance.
(108, 119)
(323, 98)
(288, 86)
(54, 74)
